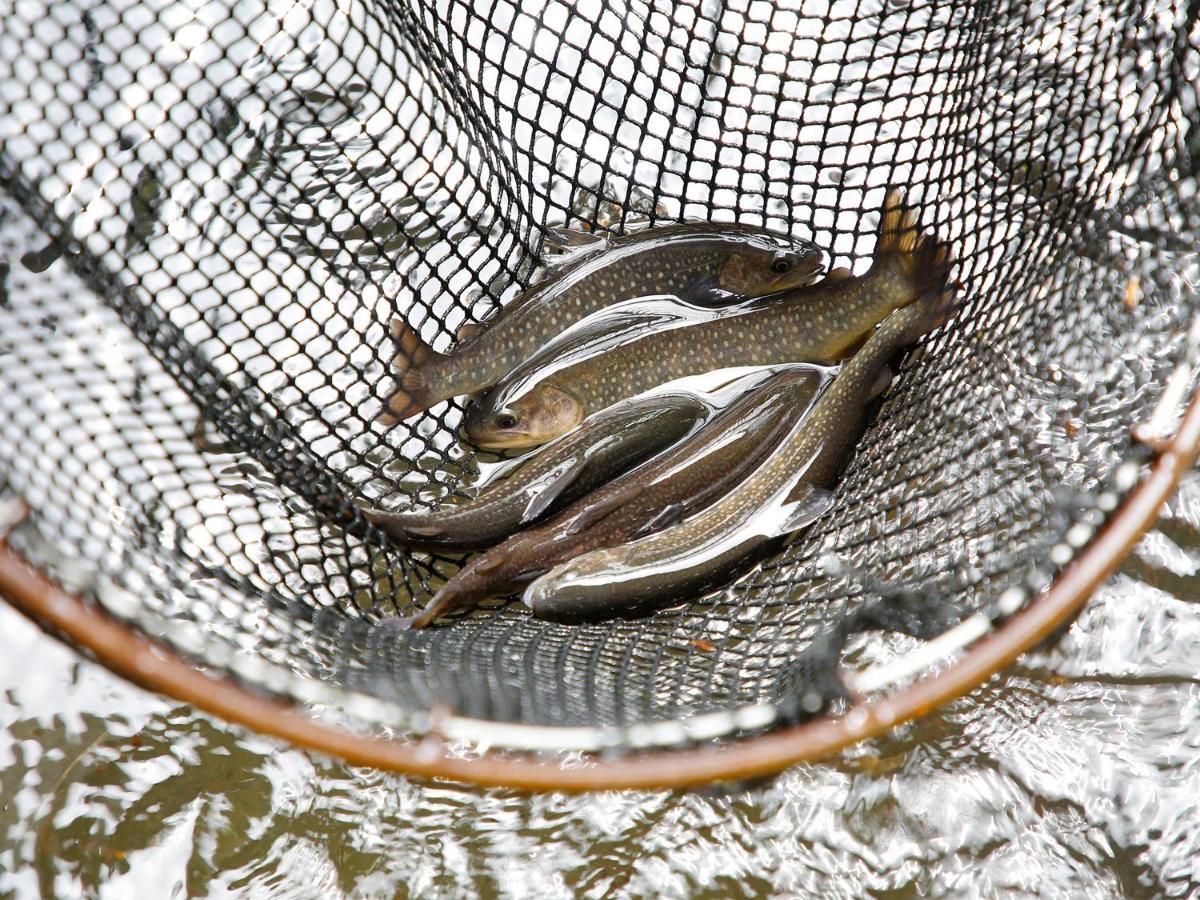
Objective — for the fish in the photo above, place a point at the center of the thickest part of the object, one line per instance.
(609, 443)
(788, 492)
(658, 492)
(822, 324)
(700, 262)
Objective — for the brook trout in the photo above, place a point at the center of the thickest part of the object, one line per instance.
(683, 479)
(607, 444)
(821, 324)
(701, 263)
(786, 494)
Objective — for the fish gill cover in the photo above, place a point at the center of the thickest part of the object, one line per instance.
(212, 212)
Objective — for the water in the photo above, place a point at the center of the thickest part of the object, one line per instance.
(1074, 774)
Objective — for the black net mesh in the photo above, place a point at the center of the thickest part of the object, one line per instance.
(212, 211)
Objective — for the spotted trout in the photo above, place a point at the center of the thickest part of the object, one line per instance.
(787, 493)
(685, 478)
(606, 445)
(702, 263)
(821, 324)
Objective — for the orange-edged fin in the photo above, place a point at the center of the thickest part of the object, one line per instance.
(922, 260)
(411, 394)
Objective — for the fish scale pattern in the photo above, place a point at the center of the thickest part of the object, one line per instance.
(211, 212)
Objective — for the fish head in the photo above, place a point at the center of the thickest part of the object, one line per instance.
(769, 267)
(538, 416)
(573, 591)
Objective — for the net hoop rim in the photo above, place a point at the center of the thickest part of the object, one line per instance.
(156, 667)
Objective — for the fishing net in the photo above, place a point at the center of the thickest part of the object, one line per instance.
(212, 211)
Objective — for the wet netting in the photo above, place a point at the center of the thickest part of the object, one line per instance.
(212, 210)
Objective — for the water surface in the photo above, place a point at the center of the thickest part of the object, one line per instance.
(1077, 773)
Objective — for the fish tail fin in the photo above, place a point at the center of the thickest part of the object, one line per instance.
(921, 259)
(428, 616)
(464, 590)
(412, 393)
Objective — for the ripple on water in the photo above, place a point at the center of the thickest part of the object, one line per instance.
(1077, 774)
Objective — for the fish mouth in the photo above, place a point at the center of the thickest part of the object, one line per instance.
(506, 441)
(804, 274)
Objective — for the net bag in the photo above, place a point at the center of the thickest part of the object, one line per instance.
(210, 213)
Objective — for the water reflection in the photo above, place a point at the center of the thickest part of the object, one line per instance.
(1074, 775)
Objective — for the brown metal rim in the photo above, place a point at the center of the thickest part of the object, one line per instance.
(158, 668)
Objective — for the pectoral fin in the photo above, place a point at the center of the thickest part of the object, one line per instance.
(560, 238)
(705, 291)
(469, 330)
(551, 486)
(605, 507)
(401, 525)
(804, 506)
(882, 380)
(664, 518)
(490, 562)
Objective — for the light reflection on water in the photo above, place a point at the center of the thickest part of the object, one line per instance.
(1075, 774)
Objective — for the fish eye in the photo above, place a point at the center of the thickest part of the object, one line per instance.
(506, 421)
(780, 264)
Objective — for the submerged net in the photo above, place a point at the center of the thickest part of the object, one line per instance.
(211, 212)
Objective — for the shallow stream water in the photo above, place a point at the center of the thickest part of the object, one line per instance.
(1077, 773)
